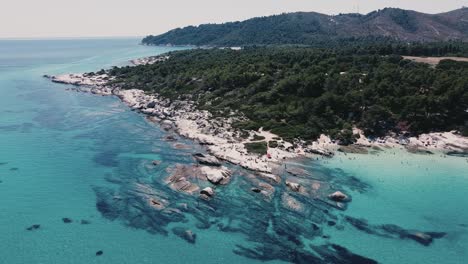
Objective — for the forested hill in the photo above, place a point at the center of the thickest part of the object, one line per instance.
(302, 92)
(314, 28)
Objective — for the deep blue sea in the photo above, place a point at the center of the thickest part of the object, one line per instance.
(86, 158)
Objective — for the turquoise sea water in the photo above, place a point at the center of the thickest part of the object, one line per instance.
(62, 153)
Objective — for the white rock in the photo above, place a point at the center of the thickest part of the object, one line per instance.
(216, 175)
(293, 186)
(208, 191)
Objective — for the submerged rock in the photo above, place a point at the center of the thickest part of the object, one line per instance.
(462, 154)
(181, 146)
(394, 231)
(154, 203)
(67, 220)
(182, 176)
(156, 162)
(291, 203)
(85, 222)
(299, 172)
(418, 150)
(354, 149)
(256, 190)
(171, 138)
(182, 184)
(269, 177)
(99, 253)
(425, 238)
(185, 234)
(340, 254)
(33, 227)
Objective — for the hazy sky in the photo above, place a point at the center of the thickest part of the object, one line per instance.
(78, 18)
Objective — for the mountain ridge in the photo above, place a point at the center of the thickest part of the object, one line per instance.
(312, 27)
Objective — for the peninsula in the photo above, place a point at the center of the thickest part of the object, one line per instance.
(256, 107)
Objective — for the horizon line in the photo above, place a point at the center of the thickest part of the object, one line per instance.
(69, 37)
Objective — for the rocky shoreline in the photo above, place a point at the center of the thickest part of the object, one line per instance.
(216, 133)
(229, 144)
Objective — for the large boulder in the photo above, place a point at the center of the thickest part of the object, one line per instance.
(295, 187)
(208, 191)
(216, 175)
(207, 159)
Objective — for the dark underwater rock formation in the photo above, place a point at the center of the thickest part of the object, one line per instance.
(394, 231)
(33, 227)
(67, 220)
(424, 238)
(185, 234)
(333, 253)
(269, 214)
(182, 178)
(462, 154)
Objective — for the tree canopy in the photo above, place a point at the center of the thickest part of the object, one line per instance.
(300, 92)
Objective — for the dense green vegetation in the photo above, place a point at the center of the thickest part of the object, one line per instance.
(309, 28)
(386, 46)
(260, 148)
(257, 137)
(302, 92)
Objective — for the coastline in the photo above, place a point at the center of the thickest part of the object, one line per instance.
(217, 134)
(74, 152)
(226, 143)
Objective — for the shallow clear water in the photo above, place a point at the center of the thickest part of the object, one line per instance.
(423, 192)
(61, 151)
